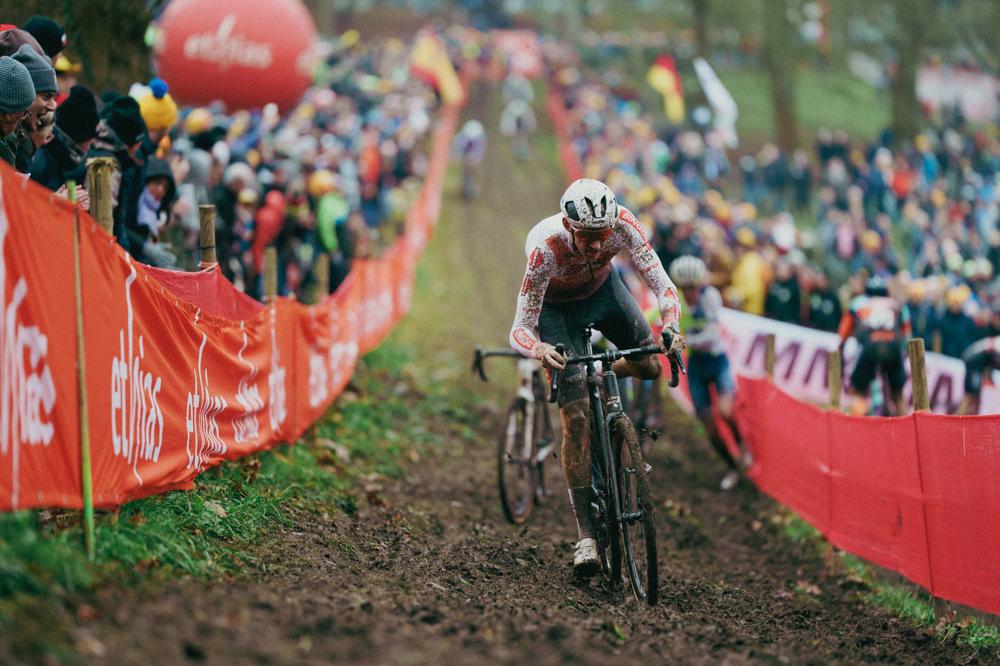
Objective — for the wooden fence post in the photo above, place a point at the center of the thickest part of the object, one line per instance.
(835, 381)
(321, 270)
(918, 375)
(99, 179)
(270, 274)
(86, 475)
(769, 354)
(206, 237)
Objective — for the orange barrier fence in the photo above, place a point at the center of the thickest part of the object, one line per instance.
(182, 370)
(918, 494)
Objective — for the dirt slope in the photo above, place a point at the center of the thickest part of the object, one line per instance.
(428, 572)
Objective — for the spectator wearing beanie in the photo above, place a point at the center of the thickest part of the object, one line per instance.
(67, 73)
(119, 135)
(17, 93)
(14, 38)
(41, 115)
(50, 35)
(62, 158)
(160, 113)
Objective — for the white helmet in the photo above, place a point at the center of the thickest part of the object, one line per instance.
(589, 204)
(687, 271)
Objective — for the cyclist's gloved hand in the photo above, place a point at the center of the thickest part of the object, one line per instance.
(672, 340)
(549, 357)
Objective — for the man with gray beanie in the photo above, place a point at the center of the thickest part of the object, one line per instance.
(17, 94)
(41, 115)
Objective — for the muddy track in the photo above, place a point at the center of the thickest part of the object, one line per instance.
(428, 572)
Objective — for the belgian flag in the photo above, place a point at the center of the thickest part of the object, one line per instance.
(429, 62)
(663, 78)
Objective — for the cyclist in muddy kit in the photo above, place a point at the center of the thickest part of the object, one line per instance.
(981, 359)
(881, 325)
(569, 284)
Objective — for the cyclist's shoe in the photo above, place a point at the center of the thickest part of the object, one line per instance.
(730, 480)
(585, 562)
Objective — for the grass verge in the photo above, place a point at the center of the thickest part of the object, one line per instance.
(906, 601)
(216, 530)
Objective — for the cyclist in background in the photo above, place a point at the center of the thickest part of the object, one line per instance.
(707, 362)
(518, 123)
(568, 284)
(881, 325)
(470, 147)
(981, 359)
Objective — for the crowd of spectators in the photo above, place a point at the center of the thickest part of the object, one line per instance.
(794, 237)
(335, 175)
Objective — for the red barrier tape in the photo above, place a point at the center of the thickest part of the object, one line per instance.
(918, 494)
(183, 371)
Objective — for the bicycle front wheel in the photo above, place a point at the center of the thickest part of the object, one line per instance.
(515, 473)
(638, 527)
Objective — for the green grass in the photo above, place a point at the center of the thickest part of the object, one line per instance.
(835, 100)
(216, 529)
(906, 601)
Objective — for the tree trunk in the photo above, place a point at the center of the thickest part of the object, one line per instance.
(700, 10)
(912, 20)
(779, 59)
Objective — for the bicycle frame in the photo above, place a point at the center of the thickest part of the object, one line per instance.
(603, 468)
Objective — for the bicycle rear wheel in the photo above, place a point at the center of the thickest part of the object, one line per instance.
(638, 528)
(515, 473)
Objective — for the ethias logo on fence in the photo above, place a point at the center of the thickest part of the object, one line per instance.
(136, 417)
(27, 390)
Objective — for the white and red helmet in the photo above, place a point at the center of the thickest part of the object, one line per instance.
(589, 204)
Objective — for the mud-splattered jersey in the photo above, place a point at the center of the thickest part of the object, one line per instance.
(558, 272)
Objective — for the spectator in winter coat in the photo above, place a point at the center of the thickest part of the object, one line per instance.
(62, 158)
(41, 114)
(237, 177)
(159, 111)
(17, 93)
(49, 34)
(749, 280)
(119, 136)
(784, 298)
(824, 304)
(957, 329)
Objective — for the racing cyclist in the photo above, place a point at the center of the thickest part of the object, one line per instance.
(707, 361)
(881, 325)
(568, 284)
(981, 359)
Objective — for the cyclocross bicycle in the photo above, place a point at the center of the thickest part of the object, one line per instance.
(526, 439)
(623, 512)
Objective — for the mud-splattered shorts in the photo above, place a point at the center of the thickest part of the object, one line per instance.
(612, 311)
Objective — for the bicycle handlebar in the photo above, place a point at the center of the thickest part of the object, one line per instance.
(610, 356)
(478, 367)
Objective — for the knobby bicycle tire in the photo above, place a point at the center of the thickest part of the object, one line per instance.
(639, 535)
(513, 469)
